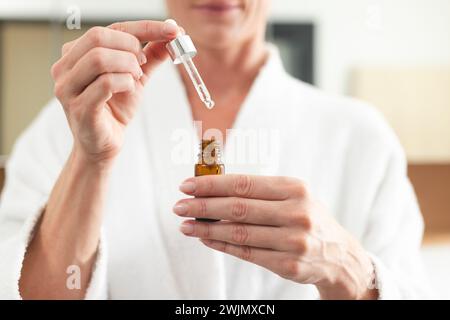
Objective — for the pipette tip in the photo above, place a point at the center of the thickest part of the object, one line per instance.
(209, 104)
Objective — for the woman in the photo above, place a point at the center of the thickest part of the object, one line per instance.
(332, 215)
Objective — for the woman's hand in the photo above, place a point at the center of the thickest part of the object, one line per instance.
(99, 81)
(275, 223)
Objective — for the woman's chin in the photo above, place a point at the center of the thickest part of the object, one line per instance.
(215, 37)
(216, 43)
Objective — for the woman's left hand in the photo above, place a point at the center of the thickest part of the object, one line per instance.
(275, 223)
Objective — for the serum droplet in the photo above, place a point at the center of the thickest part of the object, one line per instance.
(209, 104)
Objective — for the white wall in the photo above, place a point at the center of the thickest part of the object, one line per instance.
(372, 32)
(349, 32)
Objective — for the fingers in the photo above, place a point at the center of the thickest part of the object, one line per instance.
(68, 46)
(124, 36)
(147, 30)
(244, 186)
(261, 212)
(274, 238)
(100, 61)
(281, 263)
(102, 38)
(102, 89)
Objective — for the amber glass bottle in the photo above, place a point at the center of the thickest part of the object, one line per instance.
(209, 163)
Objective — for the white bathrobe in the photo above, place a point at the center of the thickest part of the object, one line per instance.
(344, 151)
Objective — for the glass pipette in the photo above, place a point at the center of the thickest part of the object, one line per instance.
(182, 50)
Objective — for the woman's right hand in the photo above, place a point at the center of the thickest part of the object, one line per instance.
(99, 81)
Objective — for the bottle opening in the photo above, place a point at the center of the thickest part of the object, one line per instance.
(210, 152)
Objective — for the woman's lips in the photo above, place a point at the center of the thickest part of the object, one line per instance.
(217, 7)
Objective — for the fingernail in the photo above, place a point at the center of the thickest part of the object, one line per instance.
(187, 187)
(187, 228)
(140, 73)
(171, 21)
(142, 58)
(170, 28)
(180, 209)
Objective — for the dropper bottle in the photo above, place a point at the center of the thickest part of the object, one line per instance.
(209, 163)
(182, 50)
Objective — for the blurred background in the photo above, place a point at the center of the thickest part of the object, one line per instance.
(394, 54)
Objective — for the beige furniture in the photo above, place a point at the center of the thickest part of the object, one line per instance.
(416, 102)
(432, 185)
(27, 51)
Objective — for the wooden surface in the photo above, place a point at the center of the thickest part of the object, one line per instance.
(2, 178)
(432, 186)
(437, 239)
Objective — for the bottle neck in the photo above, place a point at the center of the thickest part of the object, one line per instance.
(209, 152)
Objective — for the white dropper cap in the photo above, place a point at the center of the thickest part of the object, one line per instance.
(181, 47)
